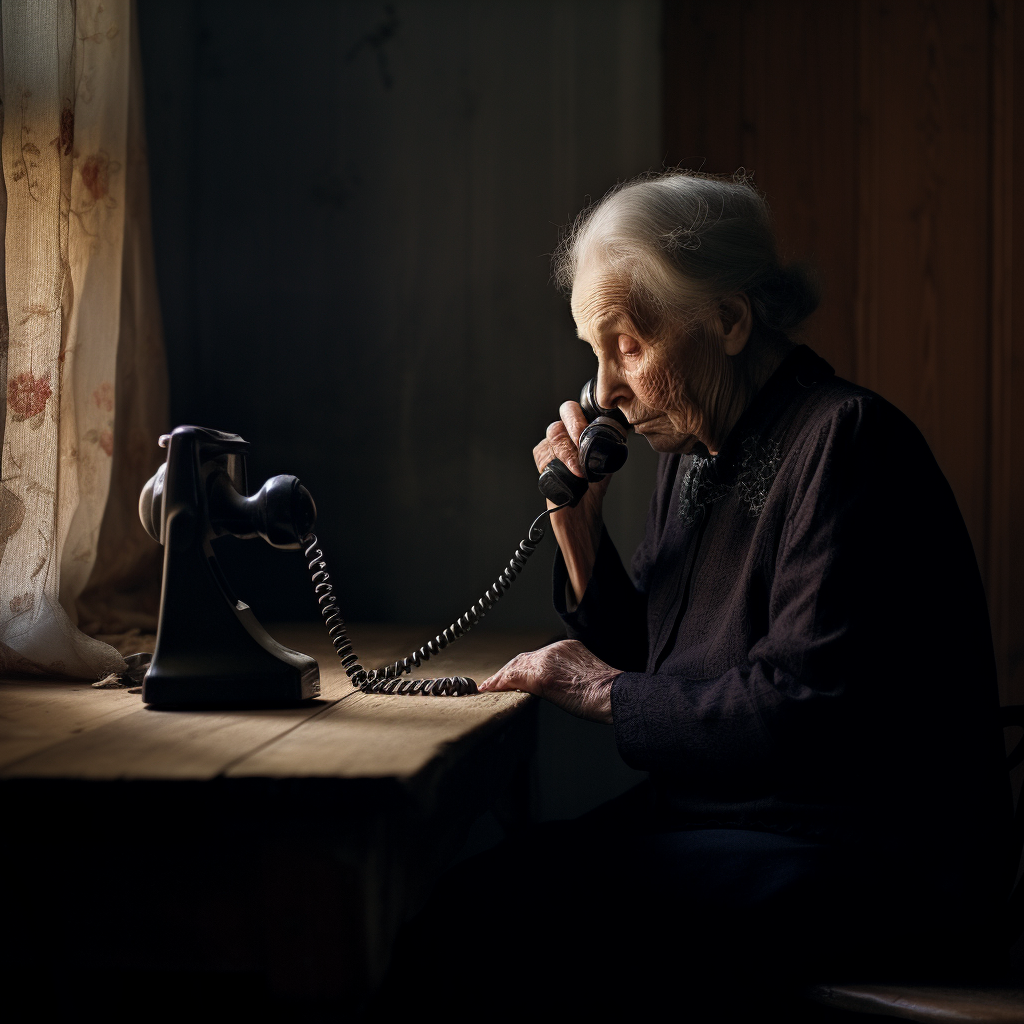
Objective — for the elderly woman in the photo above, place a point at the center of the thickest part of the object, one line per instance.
(801, 658)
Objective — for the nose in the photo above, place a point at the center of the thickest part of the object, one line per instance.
(611, 385)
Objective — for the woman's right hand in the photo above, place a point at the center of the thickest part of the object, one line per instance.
(577, 530)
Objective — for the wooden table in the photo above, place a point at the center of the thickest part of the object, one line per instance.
(288, 844)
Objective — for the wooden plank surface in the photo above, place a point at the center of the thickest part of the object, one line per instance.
(69, 730)
(372, 736)
(36, 714)
(925, 1003)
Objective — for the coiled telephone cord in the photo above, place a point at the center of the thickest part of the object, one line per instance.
(388, 679)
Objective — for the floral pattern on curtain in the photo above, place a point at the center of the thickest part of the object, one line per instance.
(81, 351)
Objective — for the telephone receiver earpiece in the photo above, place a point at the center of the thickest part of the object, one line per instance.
(282, 511)
(602, 451)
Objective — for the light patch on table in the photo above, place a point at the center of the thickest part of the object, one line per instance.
(153, 744)
(37, 714)
(375, 736)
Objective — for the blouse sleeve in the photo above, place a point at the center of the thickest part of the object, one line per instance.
(611, 620)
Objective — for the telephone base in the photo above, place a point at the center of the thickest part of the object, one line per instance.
(225, 658)
(293, 685)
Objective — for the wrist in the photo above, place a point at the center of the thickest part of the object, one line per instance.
(579, 550)
(604, 702)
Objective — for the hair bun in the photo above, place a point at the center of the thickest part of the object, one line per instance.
(785, 297)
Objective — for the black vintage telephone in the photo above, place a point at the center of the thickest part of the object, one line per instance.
(211, 650)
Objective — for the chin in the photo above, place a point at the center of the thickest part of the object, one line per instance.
(671, 444)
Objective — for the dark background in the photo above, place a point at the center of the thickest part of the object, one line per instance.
(353, 210)
(354, 205)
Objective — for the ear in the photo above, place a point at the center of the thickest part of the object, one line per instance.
(737, 321)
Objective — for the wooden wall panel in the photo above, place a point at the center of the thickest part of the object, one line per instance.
(882, 134)
(773, 88)
(1006, 554)
(924, 258)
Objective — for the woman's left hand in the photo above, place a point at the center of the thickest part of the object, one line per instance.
(566, 674)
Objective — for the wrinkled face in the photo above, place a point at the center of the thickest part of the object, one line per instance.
(649, 381)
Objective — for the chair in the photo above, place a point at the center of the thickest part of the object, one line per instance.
(996, 1005)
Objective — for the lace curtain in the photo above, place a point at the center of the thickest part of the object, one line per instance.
(81, 353)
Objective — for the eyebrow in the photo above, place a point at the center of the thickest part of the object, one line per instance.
(599, 324)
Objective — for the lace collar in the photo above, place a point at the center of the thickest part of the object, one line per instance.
(750, 458)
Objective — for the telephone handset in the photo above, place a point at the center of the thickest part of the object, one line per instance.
(602, 451)
(210, 648)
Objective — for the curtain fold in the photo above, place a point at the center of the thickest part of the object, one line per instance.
(123, 590)
(85, 381)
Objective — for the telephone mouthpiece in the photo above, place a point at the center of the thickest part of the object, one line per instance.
(591, 408)
(151, 502)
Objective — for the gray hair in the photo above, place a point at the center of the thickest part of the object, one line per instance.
(682, 241)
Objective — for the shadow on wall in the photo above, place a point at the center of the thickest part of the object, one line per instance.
(578, 766)
(354, 209)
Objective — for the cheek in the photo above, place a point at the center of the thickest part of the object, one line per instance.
(655, 386)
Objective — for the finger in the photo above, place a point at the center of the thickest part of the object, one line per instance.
(501, 682)
(574, 420)
(491, 684)
(509, 677)
(562, 446)
(542, 455)
(493, 681)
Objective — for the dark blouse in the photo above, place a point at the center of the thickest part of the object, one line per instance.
(806, 648)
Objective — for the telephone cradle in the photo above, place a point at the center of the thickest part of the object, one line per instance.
(211, 651)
